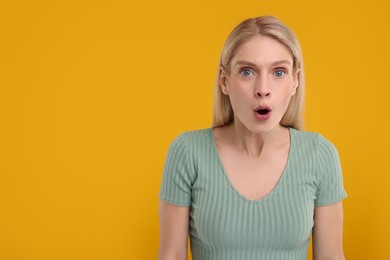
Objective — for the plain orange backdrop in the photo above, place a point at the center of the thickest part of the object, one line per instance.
(93, 92)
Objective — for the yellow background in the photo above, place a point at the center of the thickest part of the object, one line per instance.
(93, 92)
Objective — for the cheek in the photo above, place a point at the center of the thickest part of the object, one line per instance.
(288, 89)
(241, 88)
(240, 96)
(285, 103)
(234, 98)
(284, 96)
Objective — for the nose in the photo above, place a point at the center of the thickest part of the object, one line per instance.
(262, 88)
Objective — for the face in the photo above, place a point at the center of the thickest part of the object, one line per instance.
(260, 83)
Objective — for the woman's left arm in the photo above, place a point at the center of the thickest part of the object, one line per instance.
(328, 232)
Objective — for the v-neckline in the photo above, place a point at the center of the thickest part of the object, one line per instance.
(278, 183)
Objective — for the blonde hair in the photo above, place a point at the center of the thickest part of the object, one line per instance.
(264, 26)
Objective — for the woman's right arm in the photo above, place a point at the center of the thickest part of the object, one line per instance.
(174, 223)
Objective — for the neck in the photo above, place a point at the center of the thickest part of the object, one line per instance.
(255, 144)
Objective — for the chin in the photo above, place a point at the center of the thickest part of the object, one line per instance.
(264, 128)
(259, 126)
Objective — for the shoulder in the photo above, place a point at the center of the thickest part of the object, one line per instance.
(194, 137)
(322, 152)
(191, 141)
(196, 134)
(312, 140)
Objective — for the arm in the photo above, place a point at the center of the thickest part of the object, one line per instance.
(174, 221)
(327, 234)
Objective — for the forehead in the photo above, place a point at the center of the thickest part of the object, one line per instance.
(262, 51)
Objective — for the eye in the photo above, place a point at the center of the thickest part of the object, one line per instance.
(279, 73)
(246, 73)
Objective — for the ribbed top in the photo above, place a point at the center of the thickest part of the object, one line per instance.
(226, 225)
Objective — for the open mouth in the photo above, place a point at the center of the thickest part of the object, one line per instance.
(263, 111)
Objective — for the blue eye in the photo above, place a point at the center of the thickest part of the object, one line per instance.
(246, 73)
(279, 73)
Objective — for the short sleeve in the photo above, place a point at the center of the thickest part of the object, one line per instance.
(178, 175)
(330, 188)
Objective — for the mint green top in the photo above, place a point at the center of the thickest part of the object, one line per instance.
(224, 225)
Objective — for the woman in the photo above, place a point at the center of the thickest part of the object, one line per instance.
(254, 186)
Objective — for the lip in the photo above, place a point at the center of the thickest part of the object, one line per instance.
(262, 107)
(261, 117)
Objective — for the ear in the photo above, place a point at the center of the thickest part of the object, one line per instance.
(295, 82)
(223, 81)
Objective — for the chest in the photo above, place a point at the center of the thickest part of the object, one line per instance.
(254, 178)
(223, 217)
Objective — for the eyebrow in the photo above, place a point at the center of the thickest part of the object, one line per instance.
(243, 62)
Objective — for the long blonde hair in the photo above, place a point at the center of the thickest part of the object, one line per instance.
(265, 26)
